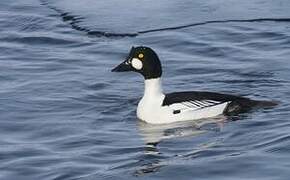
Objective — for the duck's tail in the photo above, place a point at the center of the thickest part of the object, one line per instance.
(246, 104)
(265, 104)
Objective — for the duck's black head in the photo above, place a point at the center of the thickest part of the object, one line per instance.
(142, 60)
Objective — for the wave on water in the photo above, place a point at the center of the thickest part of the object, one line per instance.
(76, 20)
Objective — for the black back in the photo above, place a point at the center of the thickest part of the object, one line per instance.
(237, 104)
(179, 97)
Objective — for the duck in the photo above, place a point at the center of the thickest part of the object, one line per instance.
(156, 107)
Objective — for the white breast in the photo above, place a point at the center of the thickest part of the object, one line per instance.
(150, 106)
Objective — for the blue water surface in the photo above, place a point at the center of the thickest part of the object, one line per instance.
(64, 115)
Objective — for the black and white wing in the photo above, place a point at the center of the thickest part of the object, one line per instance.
(193, 105)
(184, 101)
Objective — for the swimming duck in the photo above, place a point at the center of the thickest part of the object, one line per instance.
(158, 108)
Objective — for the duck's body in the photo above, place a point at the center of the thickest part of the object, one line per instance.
(158, 108)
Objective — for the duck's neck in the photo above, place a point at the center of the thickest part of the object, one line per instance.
(153, 88)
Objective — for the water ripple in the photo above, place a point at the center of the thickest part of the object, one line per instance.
(64, 115)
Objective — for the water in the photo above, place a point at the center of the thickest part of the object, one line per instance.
(64, 115)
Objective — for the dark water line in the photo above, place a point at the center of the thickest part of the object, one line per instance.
(215, 22)
(74, 20)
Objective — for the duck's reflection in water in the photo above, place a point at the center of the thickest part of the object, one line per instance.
(153, 134)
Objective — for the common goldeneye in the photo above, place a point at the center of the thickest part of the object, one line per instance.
(158, 108)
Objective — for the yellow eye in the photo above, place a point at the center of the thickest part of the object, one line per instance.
(140, 55)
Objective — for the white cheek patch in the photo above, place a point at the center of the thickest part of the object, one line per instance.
(137, 64)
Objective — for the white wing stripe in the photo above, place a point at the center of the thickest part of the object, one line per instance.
(209, 102)
(200, 103)
(187, 103)
(203, 103)
(195, 103)
(212, 101)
